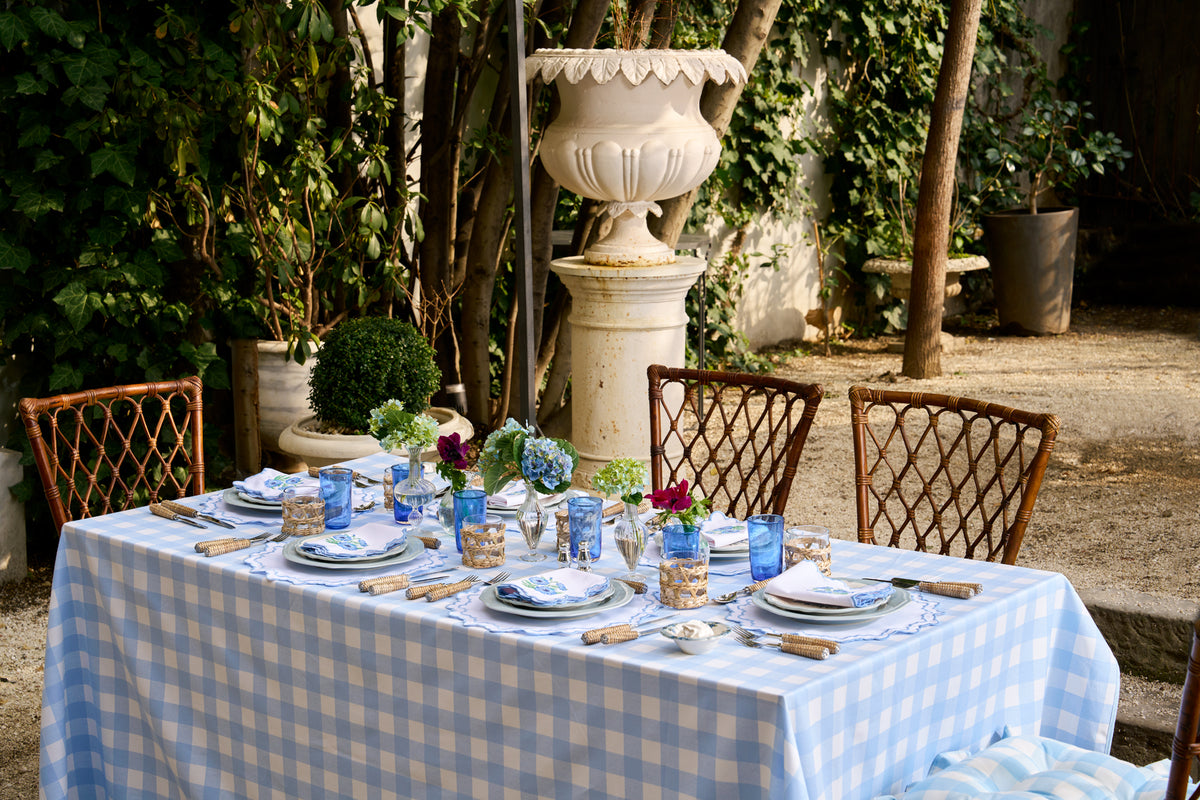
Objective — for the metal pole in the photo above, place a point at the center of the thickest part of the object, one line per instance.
(526, 393)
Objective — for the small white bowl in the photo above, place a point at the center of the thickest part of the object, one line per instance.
(696, 646)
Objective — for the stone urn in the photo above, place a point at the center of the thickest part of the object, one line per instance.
(629, 131)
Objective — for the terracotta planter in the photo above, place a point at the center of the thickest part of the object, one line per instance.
(1033, 267)
(322, 449)
(629, 131)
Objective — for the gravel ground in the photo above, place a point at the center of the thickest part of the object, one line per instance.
(1119, 505)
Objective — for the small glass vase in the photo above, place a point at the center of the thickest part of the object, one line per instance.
(630, 534)
(445, 513)
(413, 494)
(531, 519)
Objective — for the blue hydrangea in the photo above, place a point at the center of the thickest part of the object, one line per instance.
(543, 460)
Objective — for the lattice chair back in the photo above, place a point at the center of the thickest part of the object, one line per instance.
(944, 474)
(737, 437)
(120, 447)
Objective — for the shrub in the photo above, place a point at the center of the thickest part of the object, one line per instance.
(365, 362)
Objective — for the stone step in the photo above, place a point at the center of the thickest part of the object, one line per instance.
(1151, 638)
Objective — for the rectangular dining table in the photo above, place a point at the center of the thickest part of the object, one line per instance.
(173, 675)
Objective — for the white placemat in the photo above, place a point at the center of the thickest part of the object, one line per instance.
(269, 561)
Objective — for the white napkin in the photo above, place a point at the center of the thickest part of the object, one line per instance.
(270, 484)
(554, 588)
(371, 539)
(722, 531)
(512, 495)
(804, 582)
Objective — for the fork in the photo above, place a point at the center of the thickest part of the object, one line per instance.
(217, 547)
(794, 638)
(499, 578)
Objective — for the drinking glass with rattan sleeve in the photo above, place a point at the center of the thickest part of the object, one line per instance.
(808, 543)
(303, 513)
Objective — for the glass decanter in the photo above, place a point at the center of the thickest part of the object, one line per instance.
(414, 494)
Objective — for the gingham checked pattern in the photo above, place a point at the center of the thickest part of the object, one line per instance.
(172, 675)
(1034, 768)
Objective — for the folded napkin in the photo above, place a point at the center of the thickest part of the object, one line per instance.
(372, 539)
(804, 582)
(512, 495)
(555, 588)
(722, 531)
(270, 484)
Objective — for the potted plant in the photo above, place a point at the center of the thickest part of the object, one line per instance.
(364, 363)
(1032, 248)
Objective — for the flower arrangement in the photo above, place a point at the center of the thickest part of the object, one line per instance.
(515, 451)
(394, 427)
(453, 452)
(625, 477)
(675, 502)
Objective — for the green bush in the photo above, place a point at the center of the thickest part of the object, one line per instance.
(365, 362)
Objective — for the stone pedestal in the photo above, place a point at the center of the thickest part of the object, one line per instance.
(622, 320)
(12, 519)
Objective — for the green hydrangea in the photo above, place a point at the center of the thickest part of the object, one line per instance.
(623, 477)
(394, 427)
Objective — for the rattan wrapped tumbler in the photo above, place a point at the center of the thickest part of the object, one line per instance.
(683, 582)
(483, 541)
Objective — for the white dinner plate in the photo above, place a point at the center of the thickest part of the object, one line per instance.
(591, 601)
(622, 594)
(716, 555)
(898, 600)
(292, 553)
(260, 501)
(344, 559)
(820, 608)
(232, 498)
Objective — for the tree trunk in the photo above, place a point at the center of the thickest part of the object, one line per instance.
(440, 155)
(922, 343)
(748, 31)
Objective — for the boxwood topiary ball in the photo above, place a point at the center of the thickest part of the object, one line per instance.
(366, 361)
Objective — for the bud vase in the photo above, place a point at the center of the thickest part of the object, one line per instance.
(412, 494)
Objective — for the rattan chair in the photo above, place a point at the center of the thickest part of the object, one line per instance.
(948, 475)
(120, 447)
(737, 437)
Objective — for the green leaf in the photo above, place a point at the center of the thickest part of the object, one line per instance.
(113, 160)
(77, 304)
(12, 30)
(64, 376)
(13, 256)
(49, 22)
(36, 204)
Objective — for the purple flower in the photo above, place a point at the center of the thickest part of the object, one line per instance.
(453, 450)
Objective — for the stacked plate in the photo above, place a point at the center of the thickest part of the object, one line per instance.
(614, 594)
(295, 551)
(240, 499)
(830, 615)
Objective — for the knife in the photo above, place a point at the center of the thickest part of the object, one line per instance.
(157, 510)
(636, 633)
(188, 511)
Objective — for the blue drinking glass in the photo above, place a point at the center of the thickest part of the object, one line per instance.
(583, 514)
(682, 541)
(467, 503)
(766, 545)
(336, 489)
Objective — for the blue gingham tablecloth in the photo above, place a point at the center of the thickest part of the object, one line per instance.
(172, 675)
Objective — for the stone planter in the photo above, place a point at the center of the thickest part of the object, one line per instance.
(629, 131)
(1033, 267)
(321, 449)
(282, 392)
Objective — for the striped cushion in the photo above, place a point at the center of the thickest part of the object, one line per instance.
(1033, 768)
